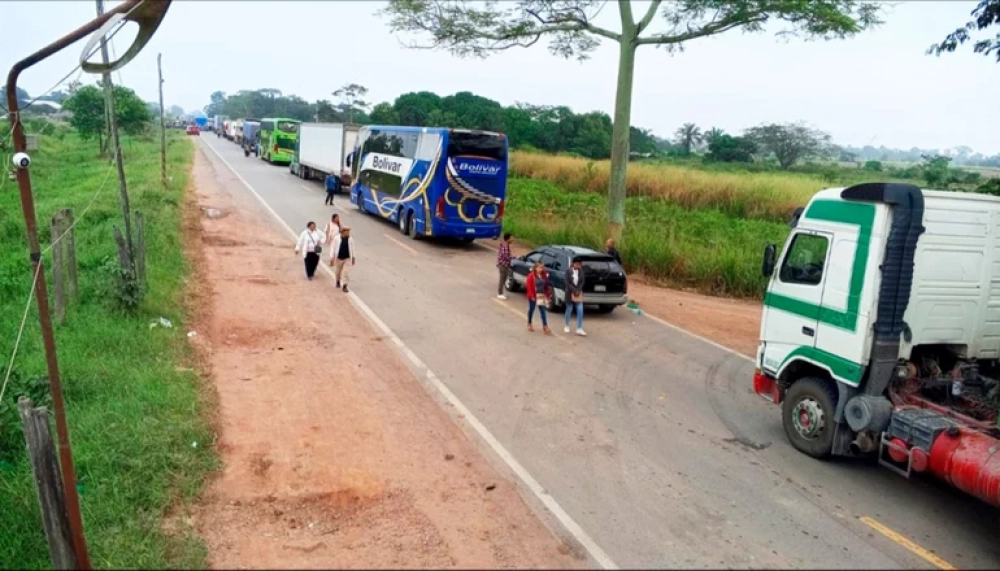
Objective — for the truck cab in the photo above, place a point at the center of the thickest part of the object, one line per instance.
(880, 331)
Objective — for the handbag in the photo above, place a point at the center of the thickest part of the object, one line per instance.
(576, 297)
(316, 247)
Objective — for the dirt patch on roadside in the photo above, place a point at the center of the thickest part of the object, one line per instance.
(333, 455)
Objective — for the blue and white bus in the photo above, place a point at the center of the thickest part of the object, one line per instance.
(432, 181)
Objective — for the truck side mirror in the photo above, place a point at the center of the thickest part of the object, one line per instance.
(767, 267)
(350, 159)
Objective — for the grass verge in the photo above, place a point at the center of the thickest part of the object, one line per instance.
(707, 249)
(140, 437)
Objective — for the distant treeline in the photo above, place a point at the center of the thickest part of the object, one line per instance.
(554, 129)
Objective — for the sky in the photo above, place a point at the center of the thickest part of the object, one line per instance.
(878, 88)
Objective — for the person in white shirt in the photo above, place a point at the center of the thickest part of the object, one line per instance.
(310, 243)
(331, 231)
(341, 254)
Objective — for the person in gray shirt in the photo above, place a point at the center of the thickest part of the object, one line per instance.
(574, 296)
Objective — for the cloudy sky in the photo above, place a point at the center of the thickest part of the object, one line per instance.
(879, 88)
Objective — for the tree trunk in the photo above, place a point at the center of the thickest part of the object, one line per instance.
(620, 134)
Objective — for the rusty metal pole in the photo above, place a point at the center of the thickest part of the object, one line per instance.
(41, 294)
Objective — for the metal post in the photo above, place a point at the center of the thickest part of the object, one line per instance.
(163, 125)
(148, 20)
(109, 98)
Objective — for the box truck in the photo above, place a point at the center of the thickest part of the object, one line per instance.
(880, 333)
(323, 149)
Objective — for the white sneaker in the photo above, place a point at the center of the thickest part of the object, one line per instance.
(566, 329)
(581, 332)
(502, 296)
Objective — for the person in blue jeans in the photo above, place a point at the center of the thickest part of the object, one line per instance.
(539, 292)
(574, 296)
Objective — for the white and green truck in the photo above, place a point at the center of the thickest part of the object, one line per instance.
(880, 333)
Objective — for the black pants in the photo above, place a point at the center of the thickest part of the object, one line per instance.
(312, 260)
(329, 196)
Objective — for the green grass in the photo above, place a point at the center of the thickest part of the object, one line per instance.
(707, 249)
(135, 411)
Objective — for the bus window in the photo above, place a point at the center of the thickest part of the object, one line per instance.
(427, 146)
(267, 125)
(288, 127)
(481, 145)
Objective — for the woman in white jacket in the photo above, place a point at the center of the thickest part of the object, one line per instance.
(310, 243)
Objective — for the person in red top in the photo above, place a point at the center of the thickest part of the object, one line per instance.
(539, 293)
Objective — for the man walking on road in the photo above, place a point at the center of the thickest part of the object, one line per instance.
(343, 247)
(503, 263)
(332, 187)
(574, 296)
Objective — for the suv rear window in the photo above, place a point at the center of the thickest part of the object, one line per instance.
(601, 265)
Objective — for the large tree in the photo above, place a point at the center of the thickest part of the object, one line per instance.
(352, 99)
(790, 142)
(89, 119)
(986, 14)
(688, 137)
(468, 28)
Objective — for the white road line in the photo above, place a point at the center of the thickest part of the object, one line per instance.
(400, 244)
(699, 337)
(306, 188)
(595, 551)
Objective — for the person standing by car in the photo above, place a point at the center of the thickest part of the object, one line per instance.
(343, 248)
(539, 293)
(574, 296)
(310, 244)
(503, 263)
(613, 251)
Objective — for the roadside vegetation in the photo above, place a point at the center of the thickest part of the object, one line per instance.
(140, 438)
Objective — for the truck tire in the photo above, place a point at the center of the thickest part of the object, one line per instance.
(807, 416)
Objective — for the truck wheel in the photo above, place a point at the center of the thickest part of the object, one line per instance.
(807, 415)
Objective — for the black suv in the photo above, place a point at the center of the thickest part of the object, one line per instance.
(605, 284)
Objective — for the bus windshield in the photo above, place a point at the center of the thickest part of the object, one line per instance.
(481, 145)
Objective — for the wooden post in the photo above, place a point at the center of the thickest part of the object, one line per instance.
(69, 241)
(140, 248)
(123, 257)
(163, 126)
(58, 269)
(48, 481)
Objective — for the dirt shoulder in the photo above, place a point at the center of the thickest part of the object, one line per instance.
(333, 455)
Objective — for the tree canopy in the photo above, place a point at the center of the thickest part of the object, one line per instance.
(985, 15)
(789, 142)
(467, 28)
(87, 105)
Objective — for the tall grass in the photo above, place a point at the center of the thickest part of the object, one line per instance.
(707, 249)
(762, 196)
(139, 438)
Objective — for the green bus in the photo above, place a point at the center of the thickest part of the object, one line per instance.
(278, 139)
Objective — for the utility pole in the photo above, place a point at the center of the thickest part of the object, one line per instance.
(163, 126)
(109, 104)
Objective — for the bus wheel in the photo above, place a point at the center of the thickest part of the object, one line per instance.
(404, 222)
(412, 226)
(807, 415)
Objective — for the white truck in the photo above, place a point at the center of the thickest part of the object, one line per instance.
(218, 124)
(323, 149)
(880, 333)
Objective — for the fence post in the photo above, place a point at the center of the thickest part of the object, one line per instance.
(140, 248)
(59, 296)
(48, 481)
(73, 286)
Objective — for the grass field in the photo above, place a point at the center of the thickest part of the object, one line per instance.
(706, 248)
(139, 434)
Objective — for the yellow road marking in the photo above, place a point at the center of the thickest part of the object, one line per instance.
(400, 244)
(913, 547)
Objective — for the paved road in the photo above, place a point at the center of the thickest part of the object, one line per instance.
(649, 439)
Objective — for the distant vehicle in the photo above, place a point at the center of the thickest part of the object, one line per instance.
(219, 125)
(251, 129)
(201, 121)
(278, 138)
(323, 149)
(605, 284)
(236, 131)
(432, 181)
(193, 130)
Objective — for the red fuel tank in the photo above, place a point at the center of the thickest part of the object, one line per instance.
(968, 460)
